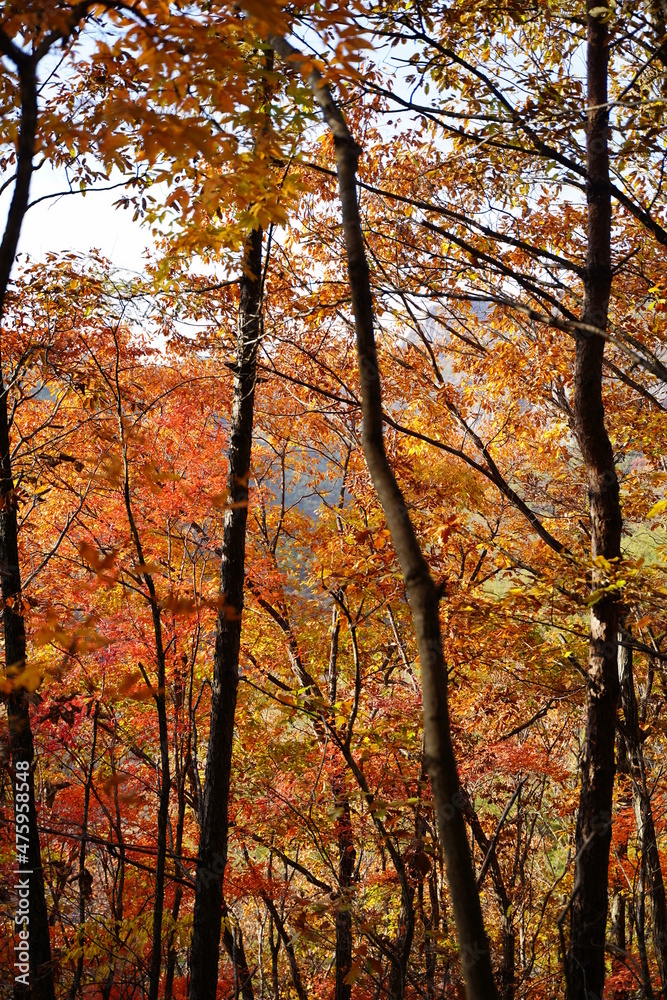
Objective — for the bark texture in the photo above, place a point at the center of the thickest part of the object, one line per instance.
(585, 963)
(421, 589)
(212, 855)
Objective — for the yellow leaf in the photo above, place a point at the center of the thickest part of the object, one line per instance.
(658, 508)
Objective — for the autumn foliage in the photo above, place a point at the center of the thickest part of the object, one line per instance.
(512, 355)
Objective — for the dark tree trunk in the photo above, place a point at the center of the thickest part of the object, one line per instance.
(40, 978)
(422, 592)
(618, 943)
(164, 777)
(346, 859)
(400, 951)
(274, 946)
(181, 776)
(41, 974)
(171, 948)
(163, 817)
(76, 983)
(295, 972)
(585, 965)
(641, 800)
(639, 915)
(212, 856)
(119, 882)
(236, 951)
(430, 954)
(507, 968)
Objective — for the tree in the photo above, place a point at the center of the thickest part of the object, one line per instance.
(212, 854)
(422, 592)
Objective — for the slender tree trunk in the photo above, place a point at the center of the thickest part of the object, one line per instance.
(171, 948)
(178, 893)
(212, 855)
(346, 859)
(164, 778)
(274, 947)
(163, 815)
(76, 983)
(585, 965)
(430, 921)
(341, 802)
(22, 750)
(639, 913)
(119, 885)
(641, 800)
(430, 956)
(236, 951)
(422, 592)
(617, 913)
(295, 972)
(401, 947)
(40, 977)
(345, 834)
(507, 968)
(183, 772)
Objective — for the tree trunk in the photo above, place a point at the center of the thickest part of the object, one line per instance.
(274, 946)
(162, 820)
(119, 881)
(171, 947)
(236, 951)
(164, 778)
(507, 968)
(181, 776)
(422, 592)
(346, 859)
(617, 914)
(618, 920)
(402, 945)
(212, 855)
(295, 972)
(639, 914)
(585, 965)
(641, 800)
(38, 983)
(76, 983)
(430, 953)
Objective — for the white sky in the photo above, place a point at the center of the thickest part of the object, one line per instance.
(79, 223)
